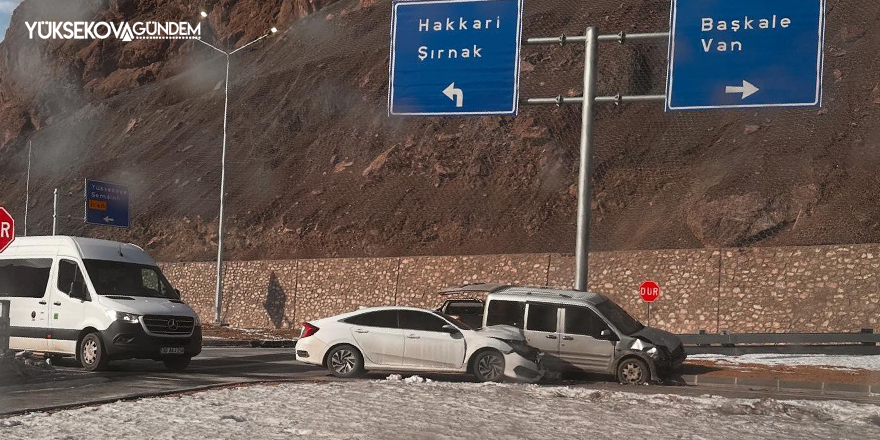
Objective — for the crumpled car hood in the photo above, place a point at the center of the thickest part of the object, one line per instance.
(504, 332)
(659, 337)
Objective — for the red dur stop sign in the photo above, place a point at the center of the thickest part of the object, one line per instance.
(649, 291)
(7, 229)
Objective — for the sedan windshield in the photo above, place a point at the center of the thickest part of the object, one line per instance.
(619, 318)
(128, 279)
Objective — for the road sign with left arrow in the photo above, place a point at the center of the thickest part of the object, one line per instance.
(107, 204)
(745, 53)
(455, 57)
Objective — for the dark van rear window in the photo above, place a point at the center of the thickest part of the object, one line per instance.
(24, 278)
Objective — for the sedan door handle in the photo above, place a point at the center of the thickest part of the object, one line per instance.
(57, 303)
(360, 330)
(567, 338)
(413, 337)
(551, 336)
(43, 303)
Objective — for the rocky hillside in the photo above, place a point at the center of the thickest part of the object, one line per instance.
(318, 169)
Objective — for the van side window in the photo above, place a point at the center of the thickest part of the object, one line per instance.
(24, 278)
(506, 313)
(583, 321)
(542, 317)
(68, 273)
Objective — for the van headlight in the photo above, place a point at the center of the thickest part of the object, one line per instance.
(129, 318)
(196, 321)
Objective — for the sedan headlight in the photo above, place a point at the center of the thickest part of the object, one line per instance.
(653, 352)
(129, 318)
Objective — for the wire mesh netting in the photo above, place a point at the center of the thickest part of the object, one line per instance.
(316, 168)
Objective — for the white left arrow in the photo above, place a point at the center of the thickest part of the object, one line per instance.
(454, 94)
(108, 219)
(747, 89)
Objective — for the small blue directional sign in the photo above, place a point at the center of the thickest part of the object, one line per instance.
(745, 53)
(106, 204)
(455, 57)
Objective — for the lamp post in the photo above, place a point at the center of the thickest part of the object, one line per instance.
(218, 294)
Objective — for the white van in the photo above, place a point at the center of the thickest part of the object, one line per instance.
(97, 300)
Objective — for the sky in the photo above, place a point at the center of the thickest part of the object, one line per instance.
(6, 8)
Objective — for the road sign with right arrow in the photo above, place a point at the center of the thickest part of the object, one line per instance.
(455, 57)
(745, 53)
(107, 204)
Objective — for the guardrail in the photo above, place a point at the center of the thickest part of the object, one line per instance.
(861, 343)
(4, 325)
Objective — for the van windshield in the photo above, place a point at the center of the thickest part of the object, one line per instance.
(128, 279)
(619, 318)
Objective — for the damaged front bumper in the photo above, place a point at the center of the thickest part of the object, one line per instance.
(520, 369)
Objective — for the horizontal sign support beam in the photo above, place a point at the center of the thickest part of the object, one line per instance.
(617, 99)
(622, 37)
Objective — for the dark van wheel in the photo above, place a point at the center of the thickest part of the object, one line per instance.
(633, 371)
(177, 363)
(488, 366)
(345, 361)
(91, 353)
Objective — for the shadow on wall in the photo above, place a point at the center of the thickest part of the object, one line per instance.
(276, 299)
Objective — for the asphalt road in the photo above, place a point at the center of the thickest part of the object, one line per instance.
(218, 367)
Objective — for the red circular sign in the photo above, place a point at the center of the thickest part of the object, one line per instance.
(649, 291)
(7, 229)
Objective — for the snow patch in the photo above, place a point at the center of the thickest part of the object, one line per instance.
(386, 409)
(795, 360)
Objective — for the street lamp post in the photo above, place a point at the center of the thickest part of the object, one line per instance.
(218, 294)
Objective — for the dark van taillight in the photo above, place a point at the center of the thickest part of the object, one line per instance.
(307, 330)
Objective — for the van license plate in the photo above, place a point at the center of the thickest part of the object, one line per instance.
(171, 350)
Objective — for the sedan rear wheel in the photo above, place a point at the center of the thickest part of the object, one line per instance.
(489, 366)
(345, 361)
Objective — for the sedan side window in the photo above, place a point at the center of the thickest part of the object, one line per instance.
(413, 320)
(583, 321)
(542, 317)
(382, 318)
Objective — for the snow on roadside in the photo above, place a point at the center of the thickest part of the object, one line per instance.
(819, 360)
(400, 409)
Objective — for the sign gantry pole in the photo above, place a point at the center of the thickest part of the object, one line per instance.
(588, 101)
(582, 248)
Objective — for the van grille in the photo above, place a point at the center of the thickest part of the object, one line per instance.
(169, 325)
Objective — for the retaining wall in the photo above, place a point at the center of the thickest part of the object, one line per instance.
(789, 289)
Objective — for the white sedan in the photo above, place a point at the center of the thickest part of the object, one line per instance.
(416, 340)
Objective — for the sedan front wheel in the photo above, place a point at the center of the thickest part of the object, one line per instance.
(489, 366)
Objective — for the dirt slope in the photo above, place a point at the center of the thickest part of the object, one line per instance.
(317, 168)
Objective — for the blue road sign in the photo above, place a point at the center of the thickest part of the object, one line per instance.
(106, 204)
(455, 57)
(745, 53)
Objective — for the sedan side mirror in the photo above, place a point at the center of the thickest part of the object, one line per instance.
(451, 329)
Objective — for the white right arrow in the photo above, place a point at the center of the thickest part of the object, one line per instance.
(747, 89)
(454, 94)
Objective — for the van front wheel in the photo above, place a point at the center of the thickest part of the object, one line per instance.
(91, 353)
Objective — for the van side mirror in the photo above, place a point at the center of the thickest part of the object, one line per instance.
(177, 293)
(78, 290)
(608, 335)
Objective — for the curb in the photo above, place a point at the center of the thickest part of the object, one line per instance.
(255, 343)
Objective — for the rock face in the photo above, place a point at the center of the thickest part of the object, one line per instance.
(316, 168)
(39, 79)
